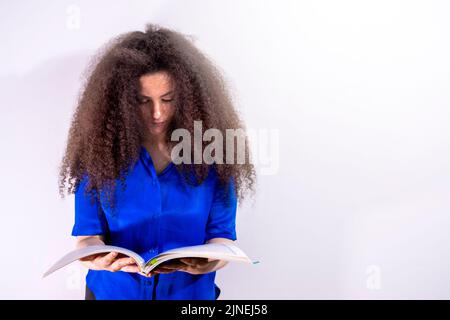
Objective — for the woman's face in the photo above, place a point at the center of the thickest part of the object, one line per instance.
(157, 101)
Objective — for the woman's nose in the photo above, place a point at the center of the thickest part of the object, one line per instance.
(157, 112)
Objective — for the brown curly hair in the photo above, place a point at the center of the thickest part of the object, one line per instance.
(106, 130)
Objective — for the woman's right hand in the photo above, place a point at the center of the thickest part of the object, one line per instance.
(111, 262)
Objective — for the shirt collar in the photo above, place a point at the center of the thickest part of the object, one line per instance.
(145, 155)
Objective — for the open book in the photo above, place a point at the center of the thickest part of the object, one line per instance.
(221, 251)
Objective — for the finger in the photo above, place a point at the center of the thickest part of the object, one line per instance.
(108, 259)
(121, 262)
(202, 262)
(165, 269)
(188, 261)
(130, 268)
(159, 270)
(172, 265)
(194, 262)
(124, 261)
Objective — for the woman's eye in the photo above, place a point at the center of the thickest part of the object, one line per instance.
(144, 101)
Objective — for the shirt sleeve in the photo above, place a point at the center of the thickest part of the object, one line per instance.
(89, 217)
(222, 216)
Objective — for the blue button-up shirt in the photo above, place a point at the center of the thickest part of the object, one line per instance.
(155, 213)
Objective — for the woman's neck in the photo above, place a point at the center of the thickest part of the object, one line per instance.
(155, 142)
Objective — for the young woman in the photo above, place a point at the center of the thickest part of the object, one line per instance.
(119, 164)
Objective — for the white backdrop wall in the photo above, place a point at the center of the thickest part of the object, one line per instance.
(353, 191)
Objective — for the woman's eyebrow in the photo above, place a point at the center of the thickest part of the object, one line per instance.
(165, 94)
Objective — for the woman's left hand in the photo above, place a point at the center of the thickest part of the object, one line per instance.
(190, 265)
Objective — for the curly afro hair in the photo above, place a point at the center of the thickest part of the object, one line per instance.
(107, 130)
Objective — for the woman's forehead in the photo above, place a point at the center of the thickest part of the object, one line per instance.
(156, 84)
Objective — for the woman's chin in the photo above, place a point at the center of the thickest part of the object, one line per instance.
(155, 131)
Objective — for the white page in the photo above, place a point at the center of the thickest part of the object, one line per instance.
(221, 251)
(211, 248)
(90, 250)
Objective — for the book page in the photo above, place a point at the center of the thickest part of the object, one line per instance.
(210, 248)
(222, 251)
(90, 250)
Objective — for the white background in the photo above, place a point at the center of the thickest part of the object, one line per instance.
(358, 92)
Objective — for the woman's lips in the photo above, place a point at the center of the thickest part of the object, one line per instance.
(158, 123)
